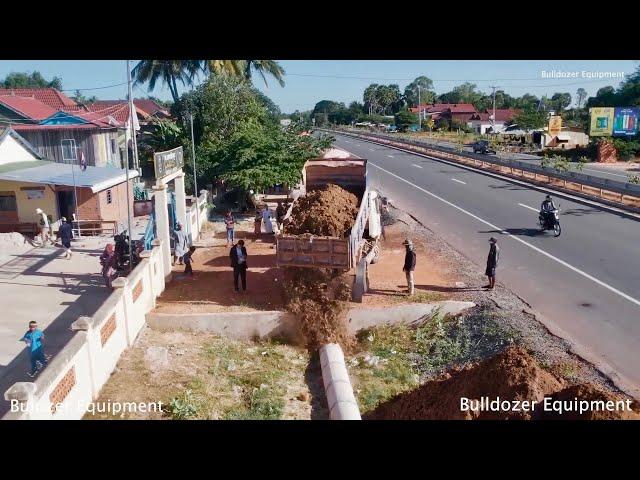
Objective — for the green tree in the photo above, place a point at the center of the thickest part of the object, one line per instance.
(80, 98)
(581, 95)
(29, 80)
(404, 119)
(560, 101)
(629, 91)
(530, 119)
(426, 93)
(169, 72)
(605, 97)
(264, 68)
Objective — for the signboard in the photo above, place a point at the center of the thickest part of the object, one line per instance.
(555, 125)
(601, 121)
(168, 162)
(625, 122)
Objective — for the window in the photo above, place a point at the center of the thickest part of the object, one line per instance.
(109, 196)
(8, 202)
(68, 150)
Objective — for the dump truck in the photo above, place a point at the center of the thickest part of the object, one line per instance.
(360, 246)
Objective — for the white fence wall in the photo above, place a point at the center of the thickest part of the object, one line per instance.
(73, 379)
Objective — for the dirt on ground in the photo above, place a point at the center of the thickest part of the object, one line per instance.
(511, 375)
(205, 376)
(211, 287)
(328, 212)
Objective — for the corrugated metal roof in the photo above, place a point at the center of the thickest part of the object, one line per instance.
(52, 173)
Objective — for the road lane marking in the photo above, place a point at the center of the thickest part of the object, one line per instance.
(390, 156)
(605, 172)
(371, 149)
(527, 206)
(417, 166)
(459, 181)
(517, 239)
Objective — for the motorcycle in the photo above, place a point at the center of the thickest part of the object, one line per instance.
(122, 251)
(550, 221)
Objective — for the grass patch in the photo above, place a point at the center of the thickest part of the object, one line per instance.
(396, 358)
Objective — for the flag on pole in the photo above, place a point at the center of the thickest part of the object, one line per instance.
(83, 162)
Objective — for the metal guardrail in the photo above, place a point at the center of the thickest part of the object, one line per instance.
(600, 184)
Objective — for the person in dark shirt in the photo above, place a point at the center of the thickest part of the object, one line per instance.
(280, 213)
(409, 265)
(186, 258)
(66, 234)
(238, 256)
(492, 263)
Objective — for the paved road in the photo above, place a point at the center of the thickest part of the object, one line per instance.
(594, 169)
(585, 283)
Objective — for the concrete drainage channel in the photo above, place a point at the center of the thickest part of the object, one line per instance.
(264, 325)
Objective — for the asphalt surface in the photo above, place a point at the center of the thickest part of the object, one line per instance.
(594, 169)
(585, 283)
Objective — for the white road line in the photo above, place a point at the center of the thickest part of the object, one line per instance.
(372, 150)
(459, 181)
(390, 156)
(517, 239)
(605, 172)
(530, 208)
(417, 166)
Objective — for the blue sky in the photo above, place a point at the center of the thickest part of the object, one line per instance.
(309, 81)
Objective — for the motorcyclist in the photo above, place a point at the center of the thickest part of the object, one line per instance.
(546, 209)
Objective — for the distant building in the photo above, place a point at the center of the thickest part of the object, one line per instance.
(28, 181)
(483, 123)
(285, 122)
(451, 112)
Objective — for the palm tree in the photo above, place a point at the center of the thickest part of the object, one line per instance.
(263, 67)
(168, 71)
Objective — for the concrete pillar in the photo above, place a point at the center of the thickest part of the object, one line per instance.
(161, 275)
(340, 398)
(162, 226)
(22, 394)
(85, 324)
(181, 200)
(150, 277)
(120, 284)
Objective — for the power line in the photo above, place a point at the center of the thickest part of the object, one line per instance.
(92, 88)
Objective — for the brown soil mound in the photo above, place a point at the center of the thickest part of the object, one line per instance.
(327, 212)
(591, 393)
(510, 375)
(316, 297)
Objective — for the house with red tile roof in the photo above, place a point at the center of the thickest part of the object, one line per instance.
(483, 123)
(450, 112)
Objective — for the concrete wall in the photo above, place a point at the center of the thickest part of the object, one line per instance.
(75, 376)
(117, 209)
(27, 207)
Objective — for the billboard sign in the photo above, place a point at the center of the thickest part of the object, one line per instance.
(601, 121)
(168, 162)
(625, 122)
(555, 125)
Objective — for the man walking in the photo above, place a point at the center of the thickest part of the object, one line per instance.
(66, 234)
(492, 263)
(229, 222)
(44, 226)
(409, 265)
(238, 255)
(33, 338)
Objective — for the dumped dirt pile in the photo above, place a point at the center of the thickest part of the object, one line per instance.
(13, 241)
(327, 212)
(590, 392)
(511, 375)
(315, 296)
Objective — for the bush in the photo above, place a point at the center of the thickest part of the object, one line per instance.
(627, 149)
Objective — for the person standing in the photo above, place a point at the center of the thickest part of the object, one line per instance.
(181, 243)
(188, 260)
(44, 226)
(229, 222)
(238, 255)
(280, 213)
(257, 222)
(266, 218)
(492, 263)
(108, 262)
(33, 338)
(409, 265)
(66, 234)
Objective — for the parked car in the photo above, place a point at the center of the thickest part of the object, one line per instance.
(482, 146)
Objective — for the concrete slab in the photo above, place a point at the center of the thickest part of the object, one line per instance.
(40, 284)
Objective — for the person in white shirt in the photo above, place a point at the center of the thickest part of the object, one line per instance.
(44, 227)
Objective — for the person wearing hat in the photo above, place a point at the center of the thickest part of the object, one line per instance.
(409, 265)
(492, 263)
(181, 243)
(66, 234)
(44, 226)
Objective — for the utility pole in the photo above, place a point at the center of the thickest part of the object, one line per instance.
(419, 111)
(493, 119)
(126, 163)
(195, 180)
